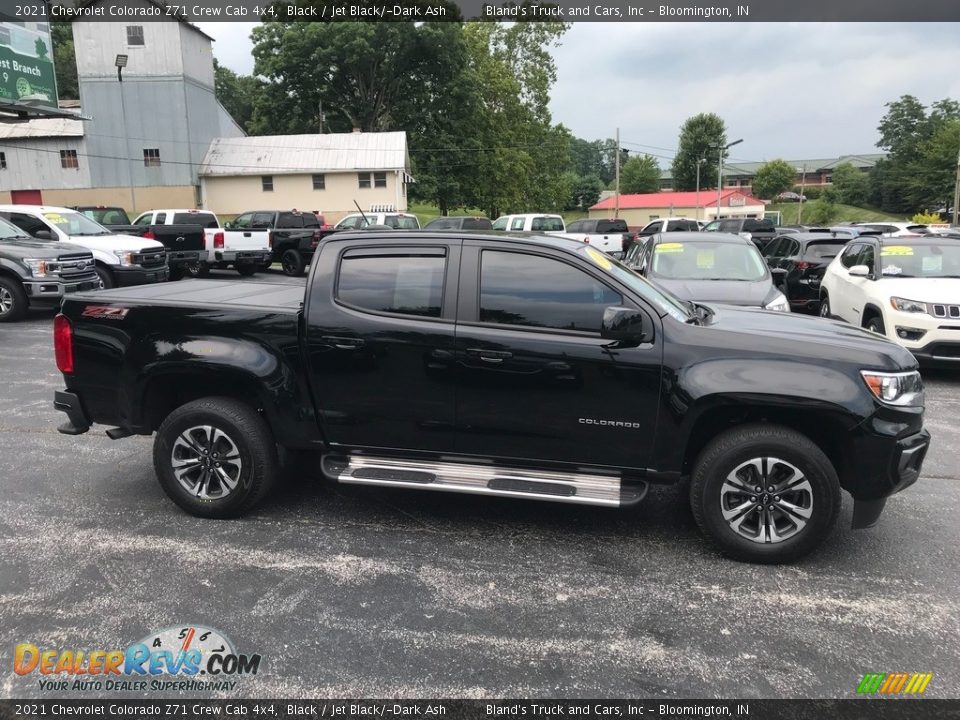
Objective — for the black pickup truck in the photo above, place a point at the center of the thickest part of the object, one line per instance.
(526, 367)
(185, 242)
(292, 236)
(37, 273)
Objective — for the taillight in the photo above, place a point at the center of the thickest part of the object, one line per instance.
(150, 235)
(803, 265)
(218, 241)
(270, 239)
(316, 238)
(63, 343)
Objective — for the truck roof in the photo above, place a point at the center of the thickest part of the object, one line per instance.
(532, 238)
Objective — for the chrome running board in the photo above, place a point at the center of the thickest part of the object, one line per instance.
(460, 477)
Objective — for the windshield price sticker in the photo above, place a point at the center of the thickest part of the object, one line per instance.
(705, 259)
(55, 218)
(669, 247)
(897, 250)
(599, 258)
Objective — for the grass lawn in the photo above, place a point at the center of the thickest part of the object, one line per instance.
(844, 213)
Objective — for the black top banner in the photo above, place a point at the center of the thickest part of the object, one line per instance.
(640, 11)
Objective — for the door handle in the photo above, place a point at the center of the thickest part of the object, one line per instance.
(246, 234)
(490, 356)
(343, 343)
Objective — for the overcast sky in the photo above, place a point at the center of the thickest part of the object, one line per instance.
(806, 90)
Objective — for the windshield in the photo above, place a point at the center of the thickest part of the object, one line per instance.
(110, 216)
(74, 223)
(401, 222)
(697, 260)
(666, 303)
(927, 260)
(822, 249)
(8, 230)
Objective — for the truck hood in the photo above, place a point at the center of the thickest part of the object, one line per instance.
(30, 248)
(927, 290)
(809, 336)
(124, 243)
(732, 292)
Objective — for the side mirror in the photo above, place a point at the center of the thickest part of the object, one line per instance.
(859, 271)
(43, 235)
(625, 325)
(228, 225)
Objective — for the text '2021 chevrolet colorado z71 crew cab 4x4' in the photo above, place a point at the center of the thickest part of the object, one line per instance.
(518, 366)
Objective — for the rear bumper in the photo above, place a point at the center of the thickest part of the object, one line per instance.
(183, 258)
(41, 291)
(241, 257)
(69, 403)
(140, 276)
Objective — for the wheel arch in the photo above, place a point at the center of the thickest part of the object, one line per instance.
(870, 310)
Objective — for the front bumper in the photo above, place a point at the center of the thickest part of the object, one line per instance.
(939, 352)
(938, 341)
(140, 276)
(69, 403)
(183, 258)
(241, 257)
(52, 290)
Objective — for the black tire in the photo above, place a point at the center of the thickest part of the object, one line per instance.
(875, 324)
(264, 266)
(824, 306)
(177, 274)
(248, 441)
(106, 278)
(292, 263)
(775, 448)
(247, 270)
(13, 300)
(197, 270)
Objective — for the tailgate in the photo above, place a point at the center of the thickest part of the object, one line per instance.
(246, 239)
(179, 238)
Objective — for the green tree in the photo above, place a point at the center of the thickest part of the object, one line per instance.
(237, 93)
(852, 185)
(933, 181)
(640, 174)
(586, 192)
(65, 61)
(701, 136)
(773, 178)
(903, 127)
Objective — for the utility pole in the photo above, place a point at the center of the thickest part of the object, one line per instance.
(320, 108)
(956, 193)
(722, 149)
(803, 183)
(616, 201)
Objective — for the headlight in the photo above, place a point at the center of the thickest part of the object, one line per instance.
(126, 258)
(911, 306)
(904, 389)
(778, 302)
(41, 268)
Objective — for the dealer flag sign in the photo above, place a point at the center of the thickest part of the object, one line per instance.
(26, 63)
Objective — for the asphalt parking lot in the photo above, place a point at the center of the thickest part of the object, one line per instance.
(363, 592)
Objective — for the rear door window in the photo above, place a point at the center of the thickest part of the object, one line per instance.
(310, 220)
(611, 226)
(261, 220)
(517, 224)
(203, 219)
(409, 283)
(289, 221)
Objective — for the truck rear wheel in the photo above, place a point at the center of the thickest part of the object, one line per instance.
(247, 270)
(215, 457)
(764, 493)
(13, 300)
(292, 263)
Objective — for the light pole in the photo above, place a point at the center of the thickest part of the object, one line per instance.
(700, 161)
(956, 193)
(121, 63)
(616, 207)
(803, 182)
(722, 149)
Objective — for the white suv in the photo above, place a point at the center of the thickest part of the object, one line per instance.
(395, 220)
(532, 222)
(905, 288)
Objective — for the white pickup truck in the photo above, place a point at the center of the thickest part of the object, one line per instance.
(120, 259)
(609, 235)
(531, 222)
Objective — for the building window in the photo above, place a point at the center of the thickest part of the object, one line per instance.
(135, 35)
(68, 159)
(266, 181)
(3, 161)
(733, 183)
(828, 179)
(380, 179)
(319, 182)
(151, 157)
(364, 180)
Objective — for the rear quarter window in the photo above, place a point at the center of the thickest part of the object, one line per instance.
(399, 284)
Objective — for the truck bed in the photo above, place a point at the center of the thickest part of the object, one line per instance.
(277, 297)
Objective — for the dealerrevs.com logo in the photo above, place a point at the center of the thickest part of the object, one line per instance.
(188, 658)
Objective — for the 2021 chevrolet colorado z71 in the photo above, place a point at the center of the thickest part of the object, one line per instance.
(518, 366)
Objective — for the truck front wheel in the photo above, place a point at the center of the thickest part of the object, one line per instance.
(13, 300)
(764, 493)
(215, 457)
(105, 277)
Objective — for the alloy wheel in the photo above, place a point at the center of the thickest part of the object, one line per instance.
(766, 500)
(206, 462)
(6, 301)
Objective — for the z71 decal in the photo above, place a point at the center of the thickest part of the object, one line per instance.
(104, 311)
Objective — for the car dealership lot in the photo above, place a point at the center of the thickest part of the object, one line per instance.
(349, 591)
